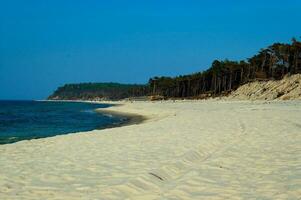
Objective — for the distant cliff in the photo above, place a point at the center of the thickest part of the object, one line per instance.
(98, 91)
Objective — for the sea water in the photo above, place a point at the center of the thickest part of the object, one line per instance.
(24, 120)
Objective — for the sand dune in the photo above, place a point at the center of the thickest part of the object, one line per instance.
(184, 150)
(288, 88)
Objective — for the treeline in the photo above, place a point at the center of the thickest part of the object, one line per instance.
(98, 91)
(273, 62)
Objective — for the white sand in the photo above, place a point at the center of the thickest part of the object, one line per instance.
(186, 150)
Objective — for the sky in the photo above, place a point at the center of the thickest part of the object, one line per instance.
(46, 44)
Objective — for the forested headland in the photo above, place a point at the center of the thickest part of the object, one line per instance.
(98, 91)
(222, 77)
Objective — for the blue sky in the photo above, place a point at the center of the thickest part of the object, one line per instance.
(45, 44)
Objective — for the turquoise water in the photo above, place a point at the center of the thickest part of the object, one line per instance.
(23, 120)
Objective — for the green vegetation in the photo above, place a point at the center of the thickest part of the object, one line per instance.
(222, 77)
(273, 62)
(97, 91)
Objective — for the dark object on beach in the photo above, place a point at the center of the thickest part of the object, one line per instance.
(155, 175)
(156, 98)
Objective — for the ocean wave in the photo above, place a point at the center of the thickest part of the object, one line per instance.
(88, 111)
(108, 115)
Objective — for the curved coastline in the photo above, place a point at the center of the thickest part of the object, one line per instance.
(124, 119)
(127, 118)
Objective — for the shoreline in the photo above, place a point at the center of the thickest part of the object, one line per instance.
(127, 118)
(183, 150)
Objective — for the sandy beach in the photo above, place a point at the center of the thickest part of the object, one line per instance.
(183, 150)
